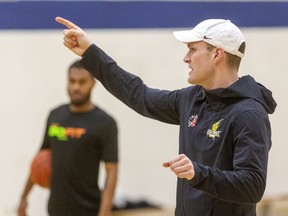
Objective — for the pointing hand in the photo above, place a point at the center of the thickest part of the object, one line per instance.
(75, 38)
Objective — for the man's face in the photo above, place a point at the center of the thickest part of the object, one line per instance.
(200, 60)
(80, 84)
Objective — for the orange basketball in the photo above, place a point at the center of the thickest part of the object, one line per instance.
(40, 172)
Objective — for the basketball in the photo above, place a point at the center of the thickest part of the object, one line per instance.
(40, 172)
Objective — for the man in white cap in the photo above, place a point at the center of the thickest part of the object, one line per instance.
(225, 133)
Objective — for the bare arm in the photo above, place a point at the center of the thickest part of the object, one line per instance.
(21, 211)
(109, 189)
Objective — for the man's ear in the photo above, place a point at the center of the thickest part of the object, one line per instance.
(219, 53)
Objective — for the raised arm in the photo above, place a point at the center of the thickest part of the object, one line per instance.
(75, 38)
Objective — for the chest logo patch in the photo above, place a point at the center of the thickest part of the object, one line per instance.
(214, 131)
(192, 120)
(64, 133)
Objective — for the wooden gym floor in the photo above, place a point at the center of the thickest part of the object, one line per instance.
(269, 206)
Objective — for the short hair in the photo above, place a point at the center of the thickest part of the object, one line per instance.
(76, 64)
(232, 60)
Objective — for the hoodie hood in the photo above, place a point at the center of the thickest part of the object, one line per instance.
(245, 87)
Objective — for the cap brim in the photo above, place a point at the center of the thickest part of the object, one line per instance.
(186, 36)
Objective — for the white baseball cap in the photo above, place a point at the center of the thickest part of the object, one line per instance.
(217, 32)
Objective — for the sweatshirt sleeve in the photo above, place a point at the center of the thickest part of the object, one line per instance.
(158, 104)
(246, 182)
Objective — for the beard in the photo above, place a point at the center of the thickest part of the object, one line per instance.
(80, 101)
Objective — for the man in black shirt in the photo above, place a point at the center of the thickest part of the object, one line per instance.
(80, 135)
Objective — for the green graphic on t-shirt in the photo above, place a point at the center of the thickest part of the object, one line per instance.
(64, 133)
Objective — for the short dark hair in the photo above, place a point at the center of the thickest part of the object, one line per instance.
(75, 64)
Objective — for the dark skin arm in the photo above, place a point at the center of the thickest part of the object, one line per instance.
(22, 208)
(109, 189)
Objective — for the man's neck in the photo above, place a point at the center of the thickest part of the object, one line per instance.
(222, 79)
(82, 108)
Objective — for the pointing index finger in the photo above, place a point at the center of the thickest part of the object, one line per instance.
(66, 23)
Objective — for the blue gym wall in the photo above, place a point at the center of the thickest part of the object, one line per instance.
(140, 14)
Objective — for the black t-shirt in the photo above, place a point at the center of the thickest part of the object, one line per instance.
(79, 141)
